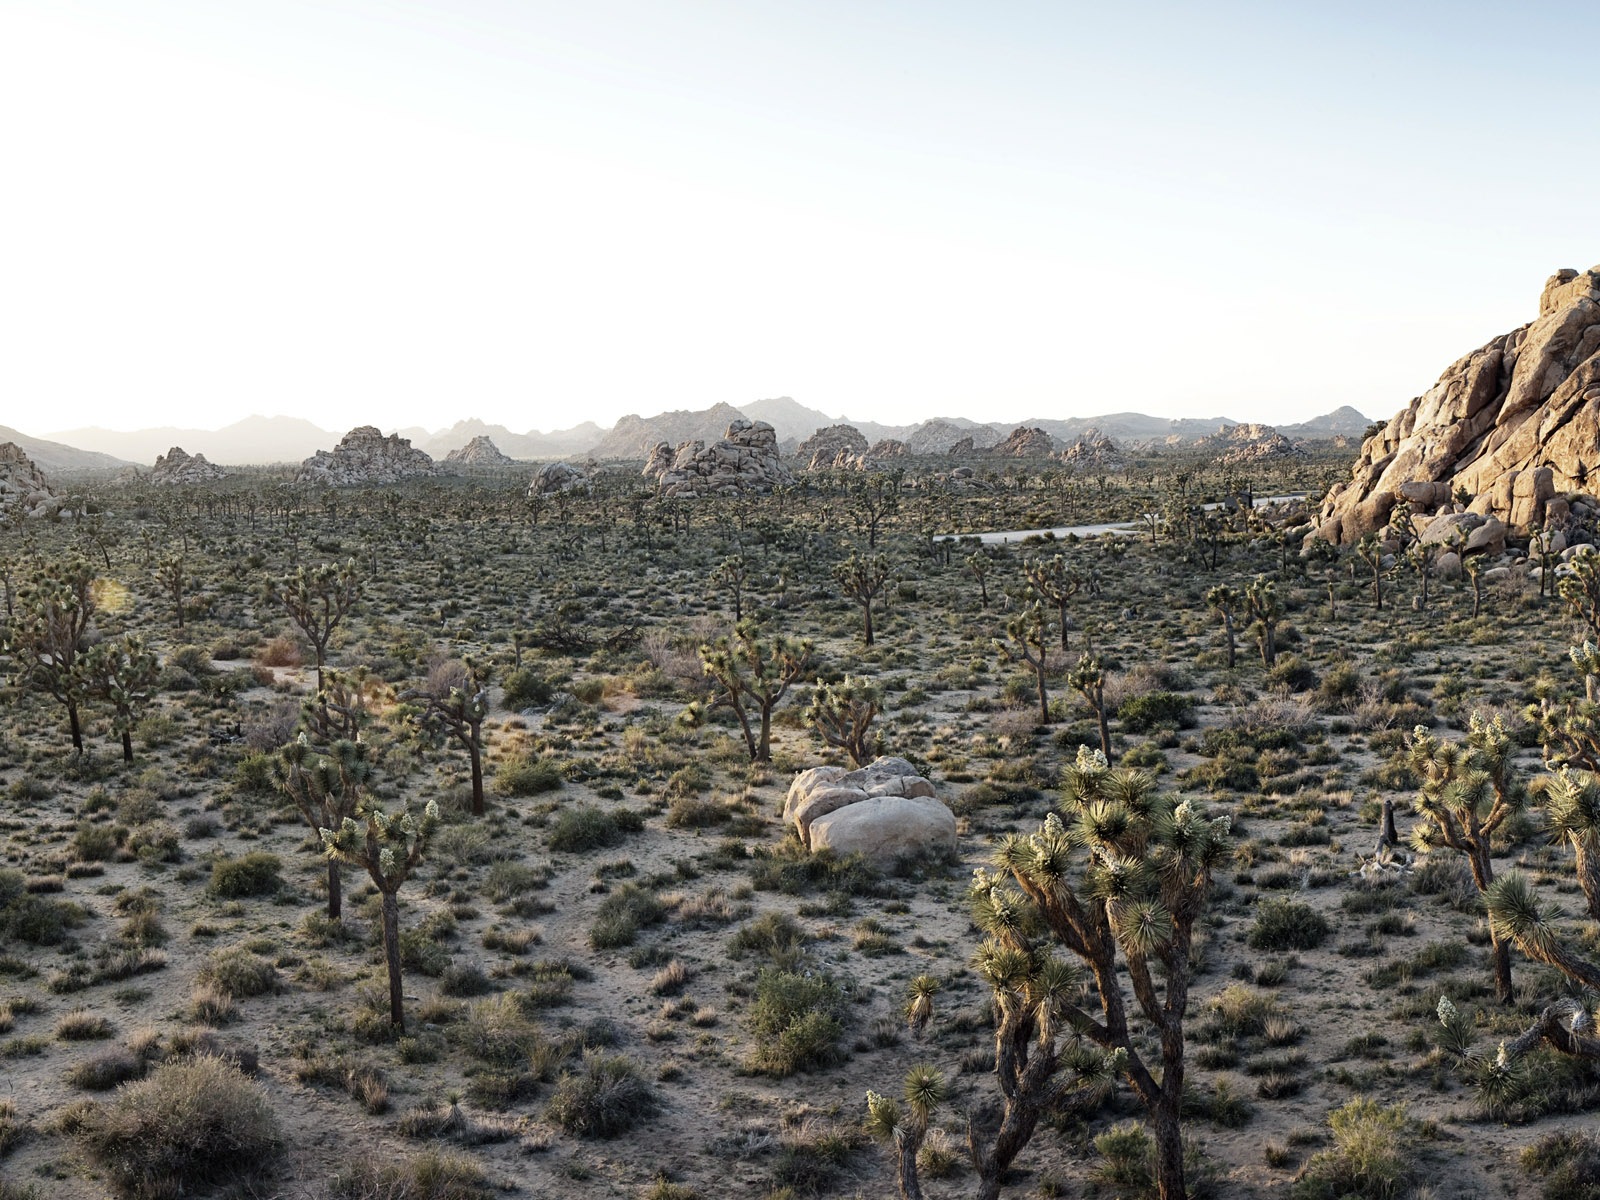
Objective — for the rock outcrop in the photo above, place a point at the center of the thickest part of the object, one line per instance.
(176, 467)
(1508, 431)
(745, 459)
(480, 452)
(885, 811)
(557, 477)
(1092, 453)
(887, 448)
(365, 456)
(939, 437)
(23, 487)
(1026, 442)
(831, 447)
(1240, 445)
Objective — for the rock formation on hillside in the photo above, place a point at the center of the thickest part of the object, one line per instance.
(23, 486)
(557, 477)
(1024, 442)
(887, 448)
(175, 467)
(745, 459)
(1092, 453)
(365, 456)
(1508, 429)
(828, 447)
(633, 436)
(938, 437)
(1239, 445)
(479, 452)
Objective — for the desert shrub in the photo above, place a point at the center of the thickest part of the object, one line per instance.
(798, 1021)
(510, 880)
(1568, 1162)
(693, 812)
(606, 1097)
(189, 1124)
(774, 936)
(526, 688)
(81, 1025)
(527, 777)
(1287, 925)
(1370, 1159)
(281, 652)
(1292, 673)
(431, 1175)
(35, 920)
(239, 972)
(1140, 714)
(253, 874)
(254, 772)
(97, 843)
(102, 1072)
(586, 827)
(621, 914)
(1126, 1166)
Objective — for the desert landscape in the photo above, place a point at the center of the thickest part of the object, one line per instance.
(725, 817)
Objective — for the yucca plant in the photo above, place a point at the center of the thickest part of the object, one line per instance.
(906, 1129)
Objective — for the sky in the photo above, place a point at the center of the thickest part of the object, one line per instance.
(409, 213)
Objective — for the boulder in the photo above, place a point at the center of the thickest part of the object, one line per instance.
(745, 460)
(23, 487)
(1241, 445)
(1026, 442)
(1515, 423)
(479, 452)
(556, 477)
(885, 810)
(1092, 453)
(1447, 527)
(886, 829)
(365, 456)
(831, 447)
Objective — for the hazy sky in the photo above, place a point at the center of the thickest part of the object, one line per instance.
(407, 213)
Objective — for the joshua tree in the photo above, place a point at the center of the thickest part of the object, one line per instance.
(122, 673)
(1119, 883)
(861, 579)
(905, 1131)
(342, 708)
(327, 790)
(1420, 557)
(389, 847)
(173, 574)
(1025, 643)
(1571, 801)
(1467, 794)
(1227, 602)
(1474, 568)
(1541, 548)
(1371, 551)
(1580, 588)
(316, 600)
(842, 713)
(1054, 582)
(453, 704)
(978, 563)
(54, 608)
(1266, 610)
(1088, 679)
(873, 498)
(731, 574)
(753, 674)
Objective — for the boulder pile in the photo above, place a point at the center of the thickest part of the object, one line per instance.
(480, 452)
(556, 477)
(885, 811)
(175, 467)
(1092, 453)
(22, 485)
(831, 447)
(365, 456)
(1026, 442)
(745, 459)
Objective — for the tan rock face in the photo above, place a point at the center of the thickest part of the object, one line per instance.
(1240, 445)
(479, 452)
(745, 459)
(556, 477)
(23, 487)
(365, 456)
(1514, 425)
(1092, 453)
(176, 467)
(1026, 442)
(832, 446)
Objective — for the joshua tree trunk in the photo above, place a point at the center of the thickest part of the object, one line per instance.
(391, 953)
(475, 754)
(1483, 876)
(76, 725)
(867, 610)
(335, 893)
(127, 745)
(1169, 1139)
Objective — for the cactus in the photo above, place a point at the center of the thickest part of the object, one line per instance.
(453, 704)
(1054, 582)
(327, 791)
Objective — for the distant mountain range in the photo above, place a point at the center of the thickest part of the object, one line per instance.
(291, 439)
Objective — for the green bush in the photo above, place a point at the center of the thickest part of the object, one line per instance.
(526, 688)
(431, 1175)
(527, 777)
(1287, 925)
(1140, 714)
(621, 914)
(253, 874)
(1371, 1158)
(1569, 1164)
(190, 1124)
(607, 1097)
(799, 1021)
(588, 828)
(239, 972)
(97, 843)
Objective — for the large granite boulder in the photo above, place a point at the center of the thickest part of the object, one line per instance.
(556, 477)
(23, 487)
(1242, 445)
(365, 456)
(884, 811)
(1092, 453)
(1026, 442)
(1514, 426)
(744, 460)
(175, 467)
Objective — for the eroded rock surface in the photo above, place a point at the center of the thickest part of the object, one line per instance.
(480, 452)
(745, 459)
(176, 467)
(23, 486)
(1509, 430)
(557, 477)
(1026, 442)
(1092, 453)
(834, 446)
